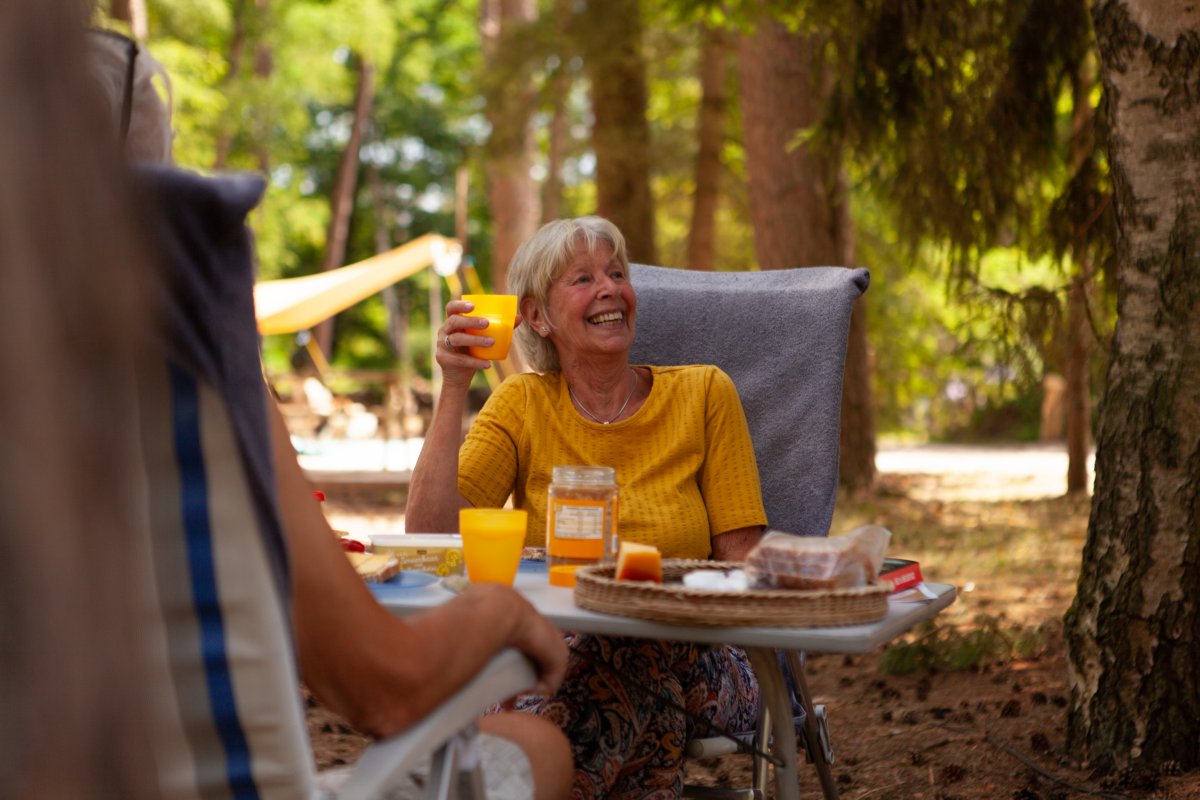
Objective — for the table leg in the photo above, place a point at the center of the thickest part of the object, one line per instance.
(783, 733)
(812, 736)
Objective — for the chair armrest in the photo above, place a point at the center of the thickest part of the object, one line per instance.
(505, 676)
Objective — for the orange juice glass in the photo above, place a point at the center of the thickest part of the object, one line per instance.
(492, 541)
(500, 310)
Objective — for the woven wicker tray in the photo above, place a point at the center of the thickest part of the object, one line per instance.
(671, 601)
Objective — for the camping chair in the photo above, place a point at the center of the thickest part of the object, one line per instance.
(446, 734)
(220, 661)
(781, 335)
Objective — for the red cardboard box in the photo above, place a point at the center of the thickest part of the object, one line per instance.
(902, 572)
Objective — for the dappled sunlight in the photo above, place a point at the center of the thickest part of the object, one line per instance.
(1011, 558)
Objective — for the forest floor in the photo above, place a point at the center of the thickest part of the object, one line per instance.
(981, 711)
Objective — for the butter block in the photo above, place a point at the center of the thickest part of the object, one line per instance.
(436, 553)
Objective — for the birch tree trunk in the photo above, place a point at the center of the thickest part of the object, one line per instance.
(1133, 632)
(800, 208)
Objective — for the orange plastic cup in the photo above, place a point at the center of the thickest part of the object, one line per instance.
(492, 540)
(501, 313)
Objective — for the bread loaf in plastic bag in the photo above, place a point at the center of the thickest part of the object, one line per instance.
(786, 561)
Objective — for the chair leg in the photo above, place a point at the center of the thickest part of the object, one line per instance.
(454, 772)
(820, 750)
(443, 769)
(761, 767)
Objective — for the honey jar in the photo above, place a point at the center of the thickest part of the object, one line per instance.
(581, 520)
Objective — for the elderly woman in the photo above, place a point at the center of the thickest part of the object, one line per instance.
(678, 440)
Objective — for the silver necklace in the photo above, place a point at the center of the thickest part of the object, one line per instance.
(620, 410)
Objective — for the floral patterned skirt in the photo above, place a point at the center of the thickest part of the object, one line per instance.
(621, 702)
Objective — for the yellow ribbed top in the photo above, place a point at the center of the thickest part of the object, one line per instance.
(684, 461)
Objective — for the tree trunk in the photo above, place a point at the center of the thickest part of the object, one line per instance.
(133, 14)
(247, 26)
(710, 133)
(237, 46)
(512, 191)
(557, 130)
(611, 33)
(341, 203)
(799, 205)
(1133, 631)
(264, 65)
(793, 200)
(395, 301)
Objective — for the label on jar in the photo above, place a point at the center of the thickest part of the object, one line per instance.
(577, 519)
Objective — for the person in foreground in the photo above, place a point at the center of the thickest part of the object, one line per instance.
(73, 549)
(241, 546)
(685, 467)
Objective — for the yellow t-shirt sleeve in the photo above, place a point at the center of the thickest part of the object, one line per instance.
(729, 478)
(487, 461)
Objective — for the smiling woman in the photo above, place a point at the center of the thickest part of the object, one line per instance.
(678, 442)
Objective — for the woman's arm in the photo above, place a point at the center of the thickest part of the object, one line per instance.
(730, 473)
(433, 496)
(734, 545)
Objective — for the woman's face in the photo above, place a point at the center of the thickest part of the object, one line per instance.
(592, 306)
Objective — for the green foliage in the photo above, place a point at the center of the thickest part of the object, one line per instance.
(195, 73)
(956, 108)
(957, 120)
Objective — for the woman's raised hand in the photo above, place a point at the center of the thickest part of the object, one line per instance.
(454, 337)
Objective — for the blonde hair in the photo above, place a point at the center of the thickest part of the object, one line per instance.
(128, 79)
(540, 260)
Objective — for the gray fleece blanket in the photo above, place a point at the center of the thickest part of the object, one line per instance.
(781, 336)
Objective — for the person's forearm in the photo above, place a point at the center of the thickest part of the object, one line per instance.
(379, 672)
(433, 496)
(736, 544)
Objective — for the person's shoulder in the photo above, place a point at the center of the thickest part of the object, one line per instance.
(691, 374)
(528, 386)
(535, 381)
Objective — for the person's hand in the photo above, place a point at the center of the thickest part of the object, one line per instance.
(532, 633)
(454, 337)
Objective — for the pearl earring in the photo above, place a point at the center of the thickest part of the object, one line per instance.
(545, 331)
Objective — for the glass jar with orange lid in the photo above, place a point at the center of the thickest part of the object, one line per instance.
(581, 520)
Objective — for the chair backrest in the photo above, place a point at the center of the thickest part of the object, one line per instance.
(781, 336)
(222, 663)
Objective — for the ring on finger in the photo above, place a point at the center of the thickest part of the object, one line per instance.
(446, 339)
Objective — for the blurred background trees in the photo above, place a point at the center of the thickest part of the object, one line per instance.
(950, 149)
(958, 150)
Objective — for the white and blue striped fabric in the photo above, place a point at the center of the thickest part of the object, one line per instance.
(229, 721)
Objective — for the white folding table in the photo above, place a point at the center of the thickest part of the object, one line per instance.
(761, 644)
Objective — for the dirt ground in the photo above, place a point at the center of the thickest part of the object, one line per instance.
(997, 731)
